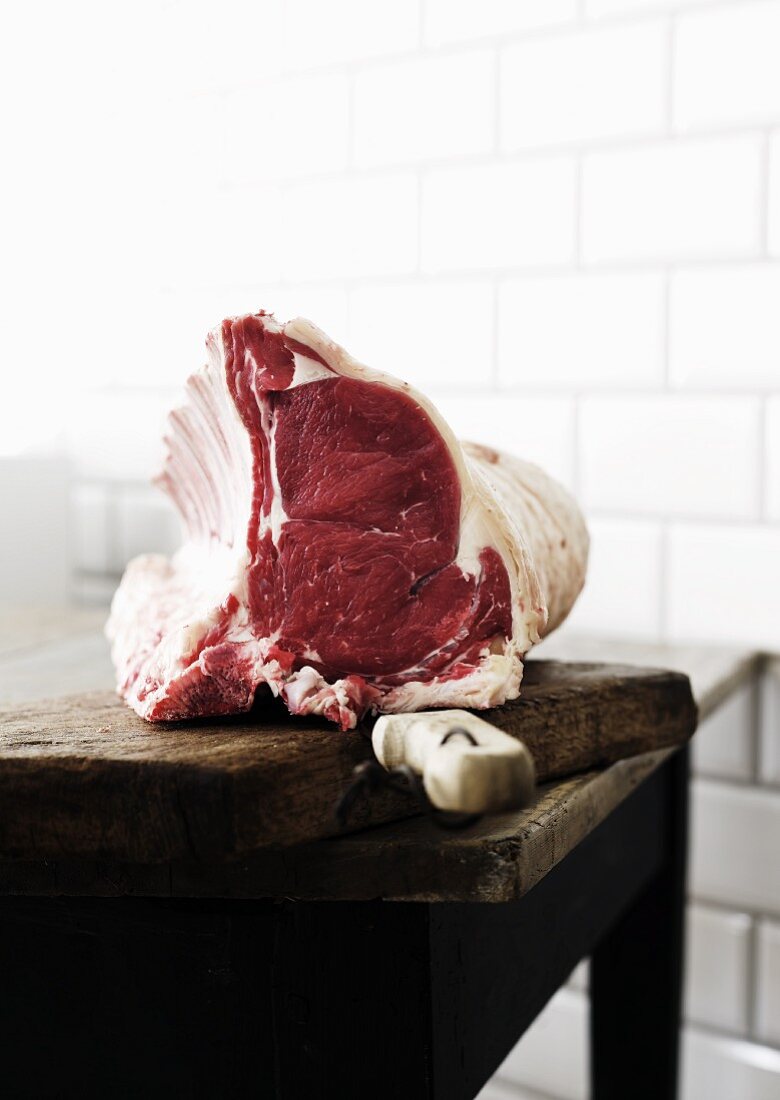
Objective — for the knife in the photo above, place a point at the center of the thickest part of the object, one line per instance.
(466, 764)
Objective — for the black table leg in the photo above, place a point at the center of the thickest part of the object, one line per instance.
(636, 972)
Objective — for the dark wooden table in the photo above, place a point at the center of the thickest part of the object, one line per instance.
(160, 937)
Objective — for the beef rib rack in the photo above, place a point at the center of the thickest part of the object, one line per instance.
(343, 550)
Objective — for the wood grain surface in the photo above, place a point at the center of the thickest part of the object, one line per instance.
(500, 858)
(82, 777)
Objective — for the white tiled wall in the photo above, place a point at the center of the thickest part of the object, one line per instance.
(725, 745)
(724, 327)
(768, 974)
(769, 748)
(717, 988)
(613, 334)
(680, 199)
(693, 456)
(707, 564)
(561, 218)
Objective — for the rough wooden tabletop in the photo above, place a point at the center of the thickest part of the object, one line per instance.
(183, 835)
(82, 776)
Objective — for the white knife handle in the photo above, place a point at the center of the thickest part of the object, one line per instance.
(497, 773)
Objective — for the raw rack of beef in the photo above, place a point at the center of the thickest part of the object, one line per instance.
(343, 550)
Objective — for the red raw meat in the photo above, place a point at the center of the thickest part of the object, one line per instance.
(342, 548)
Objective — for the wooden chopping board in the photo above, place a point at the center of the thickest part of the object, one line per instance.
(83, 777)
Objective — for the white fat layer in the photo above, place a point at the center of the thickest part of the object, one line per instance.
(475, 535)
(301, 684)
(496, 679)
(278, 515)
(308, 370)
(204, 579)
(308, 692)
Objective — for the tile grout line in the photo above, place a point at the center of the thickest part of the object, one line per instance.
(579, 169)
(556, 269)
(751, 985)
(667, 331)
(762, 456)
(622, 144)
(418, 270)
(664, 609)
(351, 129)
(671, 57)
(423, 49)
(494, 350)
(497, 110)
(755, 728)
(576, 473)
(764, 196)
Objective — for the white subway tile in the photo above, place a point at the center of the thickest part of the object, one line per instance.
(430, 334)
(769, 724)
(717, 953)
(423, 109)
(349, 226)
(768, 982)
(166, 140)
(347, 30)
(34, 493)
(582, 330)
(772, 443)
(722, 585)
(90, 527)
(716, 1068)
(146, 523)
(117, 434)
(734, 845)
(673, 200)
(191, 48)
(501, 215)
(297, 126)
(725, 327)
(726, 67)
(622, 594)
(552, 1056)
(585, 85)
(538, 429)
(774, 196)
(460, 20)
(671, 455)
(232, 234)
(724, 744)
